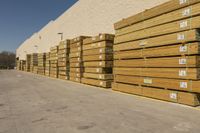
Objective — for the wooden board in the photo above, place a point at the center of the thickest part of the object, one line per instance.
(105, 50)
(76, 65)
(64, 45)
(99, 38)
(97, 45)
(79, 70)
(177, 26)
(76, 49)
(153, 12)
(99, 83)
(173, 84)
(78, 39)
(98, 64)
(172, 50)
(75, 74)
(186, 98)
(63, 77)
(179, 62)
(183, 13)
(76, 54)
(98, 76)
(100, 57)
(176, 73)
(74, 79)
(98, 70)
(75, 60)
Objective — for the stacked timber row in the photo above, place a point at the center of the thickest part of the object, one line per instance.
(54, 62)
(63, 60)
(22, 65)
(41, 63)
(157, 53)
(28, 63)
(17, 64)
(98, 60)
(47, 64)
(76, 63)
(34, 63)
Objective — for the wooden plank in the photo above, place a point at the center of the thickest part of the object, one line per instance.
(173, 84)
(76, 65)
(105, 50)
(102, 44)
(78, 39)
(63, 77)
(75, 60)
(76, 49)
(79, 70)
(75, 74)
(76, 54)
(98, 76)
(98, 70)
(76, 45)
(98, 64)
(172, 50)
(186, 98)
(99, 38)
(177, 26)
(64, 44)
(99, 83)
(176, 73)
(100, 57)
(180, 62)
(74, 79)
(153, 12)
(183, 13)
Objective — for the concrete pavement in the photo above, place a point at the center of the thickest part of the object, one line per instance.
(35, 104)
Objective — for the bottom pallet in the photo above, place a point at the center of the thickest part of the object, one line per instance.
(186, 98)
(96, 82)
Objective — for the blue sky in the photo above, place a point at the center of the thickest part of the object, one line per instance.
(19, 19)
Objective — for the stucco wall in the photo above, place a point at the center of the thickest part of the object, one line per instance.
(86, 17)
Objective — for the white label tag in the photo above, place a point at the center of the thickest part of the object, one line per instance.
(186, 12)
(143, 43)
(173, 95)
(78, 59)
(98, 70)
(100, 76)
(182, 61)
(100, 63)
(148, 81)
(182, 2)
(101, 83)
(183, 84)
(77, 75)
(182, 73)
(101, 51)
(101, 37)
(180, 37)
(78, 44)
(183, 49)
(100, 57)
(183, 24)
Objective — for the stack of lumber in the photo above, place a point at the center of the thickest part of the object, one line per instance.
(47, 64)
(34, 63)
(41, 63)
(18, 64)
(156, 53)
(98, 60)
(28, 63)
(76, 63)
(22, 65)
(54, 62)
(63, 60)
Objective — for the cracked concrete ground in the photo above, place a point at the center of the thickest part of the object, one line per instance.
(36, 104)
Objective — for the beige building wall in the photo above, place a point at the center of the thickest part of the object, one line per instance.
(86, 17)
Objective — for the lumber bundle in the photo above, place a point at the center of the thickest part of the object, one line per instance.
(157, 54)
(18, 64)
(54, 62)
(34, 63)
(63, 60)
(98, 60)
(22, 65)
(28, 62)
(47, 64)
(75, 59)
(41, 63)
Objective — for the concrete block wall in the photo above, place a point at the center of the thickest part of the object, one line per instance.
(86, 17)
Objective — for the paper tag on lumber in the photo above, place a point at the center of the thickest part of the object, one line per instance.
(148, 81)
(186, 12)
(182, 1)
(183, 85)
(182, 61)
(182, 73)
(183, 49)
(173, 95)
(180, 37)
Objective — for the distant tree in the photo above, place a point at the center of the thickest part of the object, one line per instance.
(7, 60)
